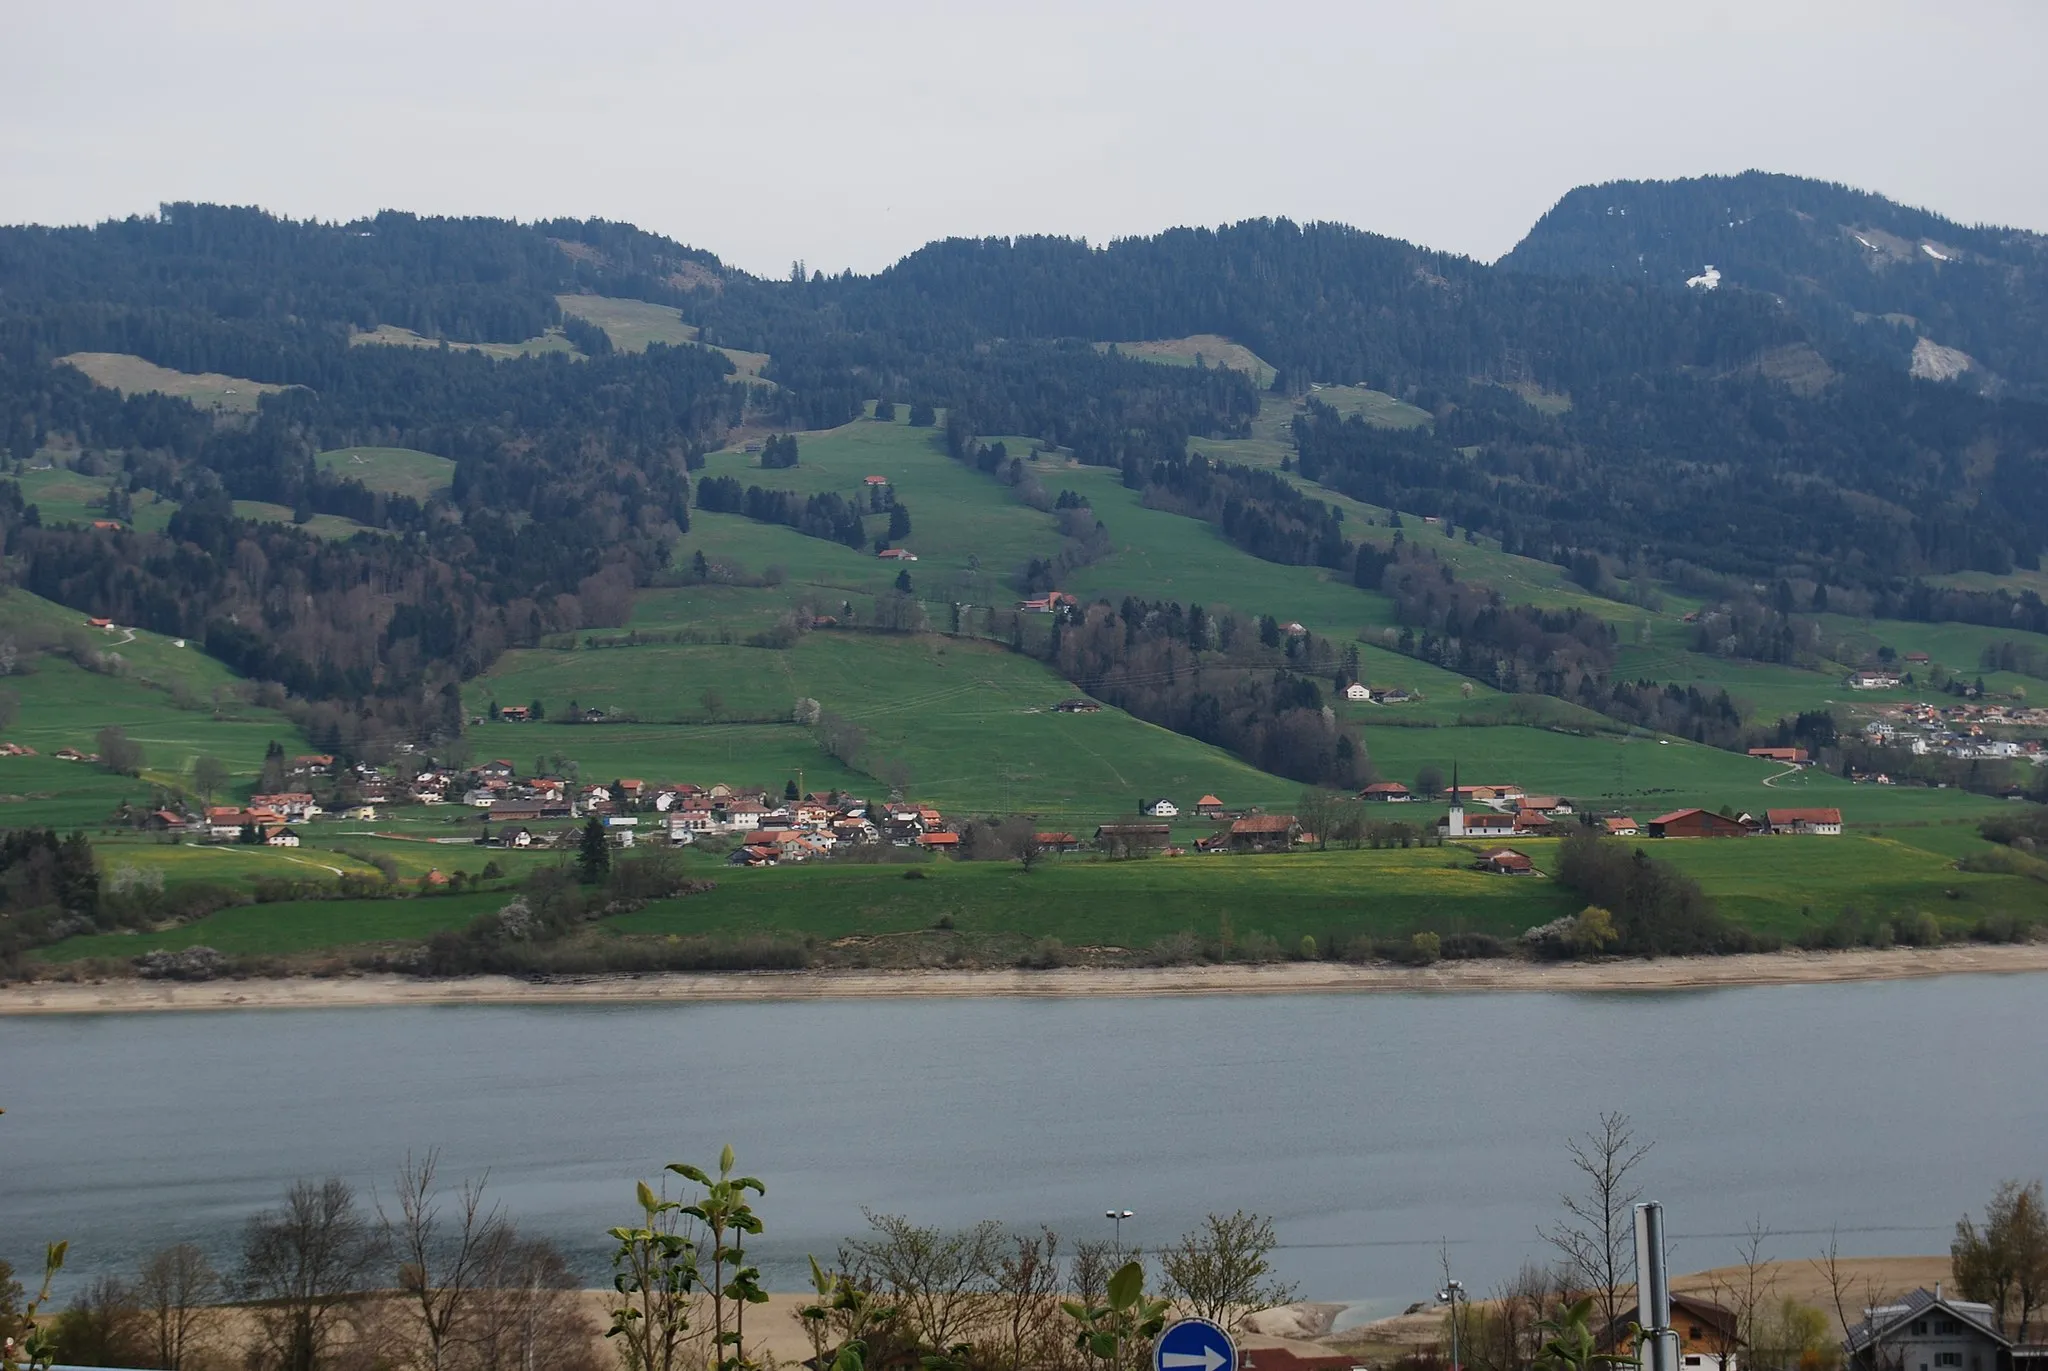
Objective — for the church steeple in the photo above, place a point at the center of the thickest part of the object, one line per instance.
(1454, 820)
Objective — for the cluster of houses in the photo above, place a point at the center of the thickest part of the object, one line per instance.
(1963, 731)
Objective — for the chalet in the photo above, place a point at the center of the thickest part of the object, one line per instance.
(1873, 680)
(164, 821)
(515, 837)
(499, 770)
(1620, 826)
(225, 821)
(1790, 756)
(1533, 821)
(1386, 792)
(1159, 809)
(1264, 833)
(939, 842)
(1929, 1329)
(1079, 704)
(279, 836)
(1554, 805)
(896, 554)
(1695, 823)
(1358, 691)
(313, 764)
(515, 714)
(1918, 659)
(1209, 807)
(1709, 1334)
(1056, 842)
(1505, 861)
(1394, 695)
(1129, 838)
(874, 481)
(1828, 821)
(1048, 603)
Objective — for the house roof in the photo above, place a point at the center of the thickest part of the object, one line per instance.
(1677, 814)
(1209, 801)
(1051, 838)
(1881, 1321)
(1505, 856)
(1386, 788)
(939, 839)
(1619, 821)
(1264, 823)
(1803, 816)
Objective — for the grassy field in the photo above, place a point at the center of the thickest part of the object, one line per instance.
(394, 470)
(391, 335)
(61, 495)
(1207, 349)
(630, 324)
(320, 525)
(293, 926)
(971, 724)
(132, 375)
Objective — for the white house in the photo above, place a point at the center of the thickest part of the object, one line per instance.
(281, 837)
(1872, 680)
(1159, 809)
(1357, 691)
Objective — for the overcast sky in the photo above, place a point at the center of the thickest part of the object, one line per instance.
(847, 135)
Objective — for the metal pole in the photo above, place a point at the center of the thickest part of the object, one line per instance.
(1658, 1350)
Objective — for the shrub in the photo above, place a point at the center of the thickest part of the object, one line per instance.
(1425, 949)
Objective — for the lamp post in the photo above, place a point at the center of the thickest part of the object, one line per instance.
(1452, 1292)
(1119, 1215)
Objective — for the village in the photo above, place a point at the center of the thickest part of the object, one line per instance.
(758, 826)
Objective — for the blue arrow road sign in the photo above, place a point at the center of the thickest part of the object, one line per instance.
(1194, 1345)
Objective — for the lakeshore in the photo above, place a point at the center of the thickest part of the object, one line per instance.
(1670, 973)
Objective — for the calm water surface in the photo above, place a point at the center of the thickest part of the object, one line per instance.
(1371, 1127)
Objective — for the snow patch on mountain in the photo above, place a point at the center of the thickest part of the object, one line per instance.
(1710, 279)
(1936, 253)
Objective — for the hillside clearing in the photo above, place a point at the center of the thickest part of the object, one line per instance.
(393, 470)
(132, 375)
(391, 335)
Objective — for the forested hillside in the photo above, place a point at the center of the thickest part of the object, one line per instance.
(1573, 409)
(1868, 276)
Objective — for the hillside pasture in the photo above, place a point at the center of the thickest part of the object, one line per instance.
(1204, 349)
(132, 375)
(292, 926)
(319, 525)
(630, 324)
(391, 335)
(393, 470)
(62, 495)
(970, 725)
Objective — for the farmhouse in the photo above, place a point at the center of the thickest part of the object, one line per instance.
(1159, 809)
(1709, 1336)
(296, 806)
(515, 714)
(874, 480)
(1873, 680)
(1828, 821)
(1130, 838)
(1264, 833)
(280, 836)
(1047, 603)
(1209, 807)
(1791, 756)
(1387, 792)
(897, 554)
(1620, 826)
(1079, 704)
(1505, 861)
(1056, 842)
(1695, 823)
(1358, 691)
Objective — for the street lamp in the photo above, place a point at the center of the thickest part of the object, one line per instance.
(1119, 1215)
(1452, 1292)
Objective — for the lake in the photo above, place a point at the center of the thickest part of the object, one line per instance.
(1372, 1127)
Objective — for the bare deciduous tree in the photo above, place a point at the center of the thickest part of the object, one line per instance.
(1222, 1270)
(1745, 1291)
(2006, 1263)
(1595, 1241)
(526, 1311)
(176, 1289)
(441, 1257)
(943, 1283)
(303, 1264)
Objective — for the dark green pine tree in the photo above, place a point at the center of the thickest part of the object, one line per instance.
(593, 853)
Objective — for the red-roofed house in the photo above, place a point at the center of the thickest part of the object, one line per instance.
(1209, 807)
(1791, 756)
(1828, 821)
(1695, 823)
(1264, 833)
(1505, 861)
(1391, 792)
(1620, 826)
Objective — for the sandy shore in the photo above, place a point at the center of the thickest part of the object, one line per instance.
(1778, 968)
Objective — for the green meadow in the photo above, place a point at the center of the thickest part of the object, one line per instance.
(132, 375)
(289, 927)
(394, 470)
